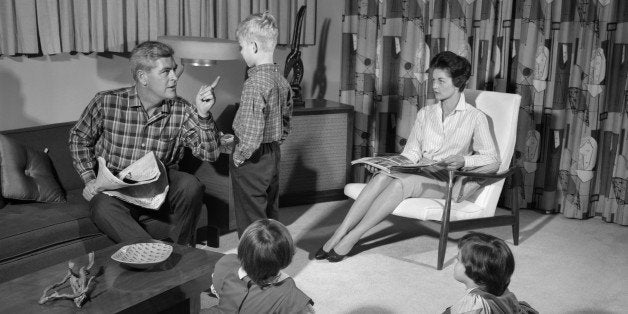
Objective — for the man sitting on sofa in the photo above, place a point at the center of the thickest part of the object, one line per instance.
(123, 125)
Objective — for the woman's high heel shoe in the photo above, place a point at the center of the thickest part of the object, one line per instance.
(334, 257)
(321, 254)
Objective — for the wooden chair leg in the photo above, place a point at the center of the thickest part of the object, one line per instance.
(515, 214)
(442, 244)
(444, 227)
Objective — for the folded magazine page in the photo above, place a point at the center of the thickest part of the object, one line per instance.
(143, 183)
(389, 163)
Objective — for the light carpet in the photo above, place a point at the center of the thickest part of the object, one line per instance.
(562, 265)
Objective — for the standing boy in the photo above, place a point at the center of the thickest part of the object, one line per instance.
(261, 124)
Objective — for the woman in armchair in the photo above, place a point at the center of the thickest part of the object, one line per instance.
(450, 132)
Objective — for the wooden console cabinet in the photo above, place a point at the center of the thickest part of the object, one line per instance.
(315, 162)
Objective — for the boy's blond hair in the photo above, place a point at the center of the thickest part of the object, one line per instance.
(261, 28)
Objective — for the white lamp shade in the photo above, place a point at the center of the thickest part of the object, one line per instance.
(202, 50)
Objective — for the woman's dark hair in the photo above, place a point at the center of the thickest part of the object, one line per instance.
(488, 261)
(265, 248)
(458, 67)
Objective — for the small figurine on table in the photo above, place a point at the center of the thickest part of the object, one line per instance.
(80, 282)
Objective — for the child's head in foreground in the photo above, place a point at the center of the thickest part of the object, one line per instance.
(265, 248)
(257, 35)
(485, 261)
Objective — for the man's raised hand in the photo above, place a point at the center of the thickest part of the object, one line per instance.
(205, 98)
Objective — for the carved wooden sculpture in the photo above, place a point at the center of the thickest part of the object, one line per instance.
(294, 63)
(80, 283)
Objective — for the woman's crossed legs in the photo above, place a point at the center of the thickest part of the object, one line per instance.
(378, 199)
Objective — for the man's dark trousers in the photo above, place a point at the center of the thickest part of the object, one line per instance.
(119, 219)
(255, 185)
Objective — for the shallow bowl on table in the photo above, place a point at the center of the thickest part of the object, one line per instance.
(142, 255)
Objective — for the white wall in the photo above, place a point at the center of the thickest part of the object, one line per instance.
(52, 89)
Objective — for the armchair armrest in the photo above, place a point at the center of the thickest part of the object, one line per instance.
(472, 174)
(416, 169)
(456, 173)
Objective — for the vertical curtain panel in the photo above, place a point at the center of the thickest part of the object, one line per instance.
(56, 26)
(568, 59)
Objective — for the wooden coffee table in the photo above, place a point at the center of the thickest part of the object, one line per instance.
(172, 286)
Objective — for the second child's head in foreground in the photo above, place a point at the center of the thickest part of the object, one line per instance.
(484, 261)
(265, 248)
(257, 36)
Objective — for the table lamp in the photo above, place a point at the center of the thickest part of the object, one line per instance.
(202, 51)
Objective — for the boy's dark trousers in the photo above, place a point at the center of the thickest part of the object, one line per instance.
(255, 185)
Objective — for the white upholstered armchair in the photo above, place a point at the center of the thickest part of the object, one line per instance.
(478, 211)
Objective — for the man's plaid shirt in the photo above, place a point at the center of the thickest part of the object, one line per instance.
(265, 110)
(116, 126)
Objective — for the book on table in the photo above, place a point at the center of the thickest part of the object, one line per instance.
(389, 163)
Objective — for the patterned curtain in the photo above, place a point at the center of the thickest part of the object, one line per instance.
(567, 59)
(55, 26)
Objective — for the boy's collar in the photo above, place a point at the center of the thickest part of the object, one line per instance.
(259, 67)
(242, 273)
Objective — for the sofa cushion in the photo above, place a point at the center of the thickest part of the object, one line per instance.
(27, 174)
(30, 227)
(53, 137)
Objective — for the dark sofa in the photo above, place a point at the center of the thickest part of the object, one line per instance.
(36, 235)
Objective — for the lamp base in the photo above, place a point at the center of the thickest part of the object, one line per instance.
(198, 62)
